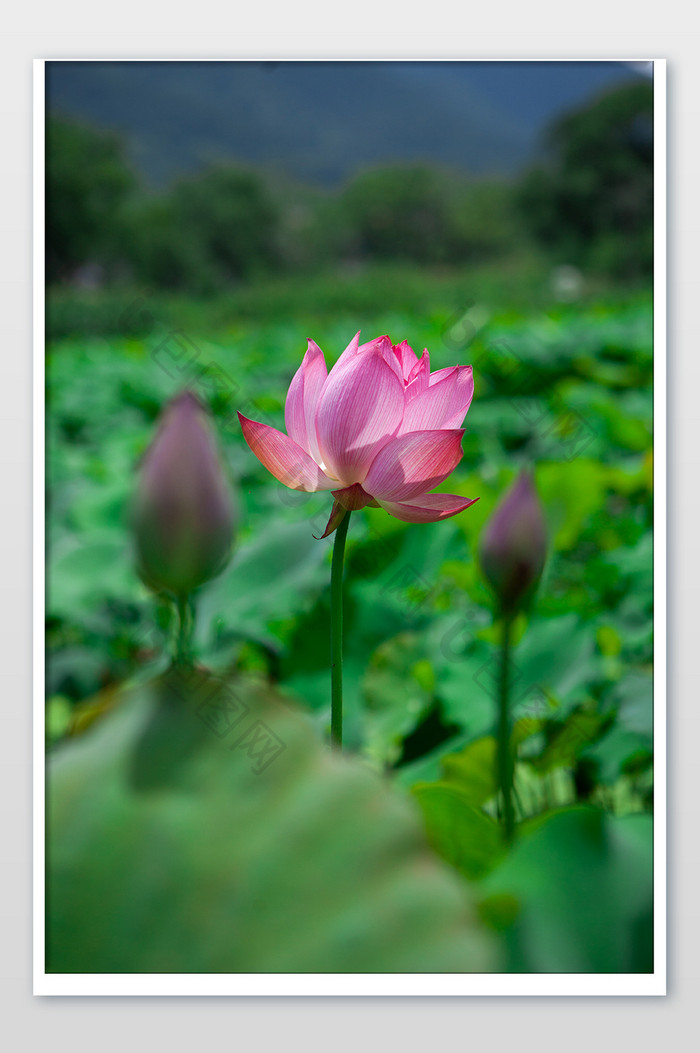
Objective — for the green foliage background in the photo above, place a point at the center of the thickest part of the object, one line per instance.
(568, 388)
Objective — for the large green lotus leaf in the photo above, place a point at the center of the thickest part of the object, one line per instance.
(473, 770)
(566, 740)
(571, 491)
(398, 691)
(201, 827)
(89, 573)
(578, 887)
(556, 657)
(268, 579)
(616, 751)
(634, 696)
(461, 833)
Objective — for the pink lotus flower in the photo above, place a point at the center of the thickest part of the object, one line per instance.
(379, 429)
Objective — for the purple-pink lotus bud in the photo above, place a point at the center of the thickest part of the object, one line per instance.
(183, 513)
(513, 545)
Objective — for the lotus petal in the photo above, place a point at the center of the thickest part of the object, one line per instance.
(284, 457)
(302, 400)
(441, 405)
(429, 508)
(361, 408)
(353, 497)
(412, 464)
(406, 357)
(419, 377)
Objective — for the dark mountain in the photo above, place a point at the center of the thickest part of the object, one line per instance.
(322, 121)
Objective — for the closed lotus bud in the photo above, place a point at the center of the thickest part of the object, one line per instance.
(183, 513)
(513, 545)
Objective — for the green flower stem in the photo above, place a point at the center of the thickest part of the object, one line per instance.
(503, 733)
(185, 626)
(337, 633)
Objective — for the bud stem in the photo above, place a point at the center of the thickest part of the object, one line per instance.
(337, 633)
(503, 732)
(185, 626)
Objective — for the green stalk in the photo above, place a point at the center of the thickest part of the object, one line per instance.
(503, 733)
(185, 625)
(337, 633)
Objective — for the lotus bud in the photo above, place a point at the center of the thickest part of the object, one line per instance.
(513, 545)
(183, 514)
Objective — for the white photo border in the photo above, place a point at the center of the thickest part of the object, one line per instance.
(348, 984)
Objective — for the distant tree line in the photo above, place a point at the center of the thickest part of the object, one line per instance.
(588, 203)
(591, 201)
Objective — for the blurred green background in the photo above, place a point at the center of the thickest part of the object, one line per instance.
(540, 276)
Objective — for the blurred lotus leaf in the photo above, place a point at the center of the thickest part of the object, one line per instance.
(461, 833)
(200, 827)
(579, 884)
